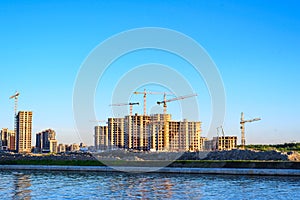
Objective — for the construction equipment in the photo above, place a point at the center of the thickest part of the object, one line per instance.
(223, 138)
(166, 135)
(149, 92)
(126, 104)
(15, 96)
(174, 99)
(242, 122)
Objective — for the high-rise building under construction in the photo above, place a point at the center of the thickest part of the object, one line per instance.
(101, 137)
(156, 133)
(24, 131)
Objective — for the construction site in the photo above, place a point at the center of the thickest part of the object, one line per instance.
(159, 133)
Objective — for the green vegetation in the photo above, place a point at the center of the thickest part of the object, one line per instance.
(52, 162)
(178, 163)
(286, 147)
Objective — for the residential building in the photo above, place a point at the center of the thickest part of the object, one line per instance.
(221, 143)
(46, 142)
(159, 132)
(156, 132)
(61, 148)
(101, 137)
(116, 130)
(184, 136)
(74, 147)
(24, 131)
(226, 142)
(137, 132)
(38, 142)
(8, 140)
(53, 146)
(202, 141)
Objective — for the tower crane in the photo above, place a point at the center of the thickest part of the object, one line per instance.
(130, 104)
(174, 99)
(15, 96)
(150, 92)
(242, 122)
(166, 134)
(223, 138)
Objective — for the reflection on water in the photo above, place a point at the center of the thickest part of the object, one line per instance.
(93, 185)
(22, 184)
(142, 187)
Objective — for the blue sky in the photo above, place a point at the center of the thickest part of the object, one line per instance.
(255, 45)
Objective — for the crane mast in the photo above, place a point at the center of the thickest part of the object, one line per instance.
(222, 138)
(164, 102)
(242, 122)
(15, 96)
(150, 92)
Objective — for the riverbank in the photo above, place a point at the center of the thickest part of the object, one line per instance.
(220, 171)
(159, 163)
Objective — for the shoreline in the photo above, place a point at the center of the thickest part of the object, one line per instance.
(177, 170)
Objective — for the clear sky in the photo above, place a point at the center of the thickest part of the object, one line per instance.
(255, 45)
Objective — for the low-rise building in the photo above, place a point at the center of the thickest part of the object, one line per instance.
(74, 147)
(221, 143)
(46, 142)
(61, 148)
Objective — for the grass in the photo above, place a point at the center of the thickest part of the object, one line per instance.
(178, 163)
(53, 162)
(286, 147)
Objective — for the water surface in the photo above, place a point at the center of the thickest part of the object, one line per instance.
(100, 185)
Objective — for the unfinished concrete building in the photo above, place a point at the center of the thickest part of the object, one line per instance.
(137, 133)
(221, 143)
(156, 133)
(101, 137)
(116, 133)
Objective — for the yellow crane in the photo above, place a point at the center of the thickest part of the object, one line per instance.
(150, 92)
(130, 104)
(242, 122)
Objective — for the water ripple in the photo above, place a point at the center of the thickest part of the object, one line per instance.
(71, 185)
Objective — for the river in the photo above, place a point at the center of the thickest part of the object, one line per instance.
(100, 185)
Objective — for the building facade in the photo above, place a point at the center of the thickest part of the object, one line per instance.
(101, 137)
(226, 142)
(221, 143)
(8, 140)
(74, 147)
(156, 133)
(61, 148)
(116, 130)
(46, 142)
(24, 131)
(137, 132)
